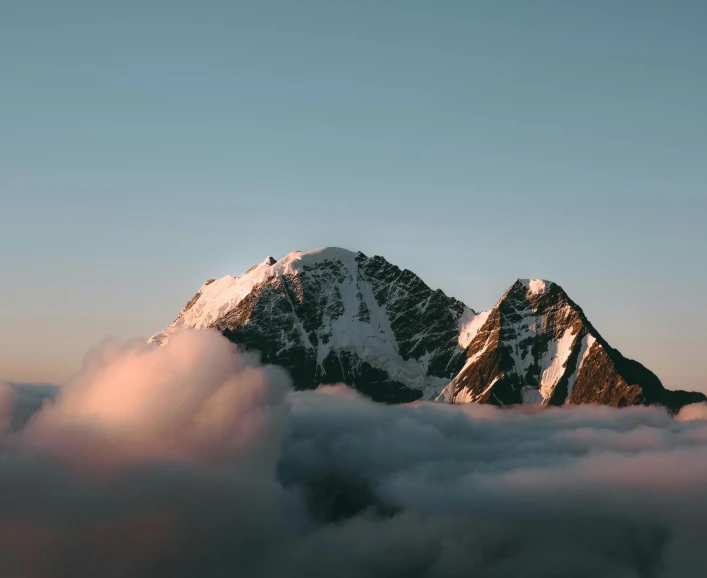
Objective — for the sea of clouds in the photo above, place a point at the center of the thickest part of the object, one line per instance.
(193, 460)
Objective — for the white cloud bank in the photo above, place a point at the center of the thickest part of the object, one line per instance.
(194, 460)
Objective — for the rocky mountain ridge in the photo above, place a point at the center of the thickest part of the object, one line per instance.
(332, 316)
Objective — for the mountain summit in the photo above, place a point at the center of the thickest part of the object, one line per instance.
(332, 315)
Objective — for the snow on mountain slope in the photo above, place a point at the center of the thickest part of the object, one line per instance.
(584, 349)
(332, 315)
(217, 296)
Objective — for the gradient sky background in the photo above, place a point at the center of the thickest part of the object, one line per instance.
(146, 146)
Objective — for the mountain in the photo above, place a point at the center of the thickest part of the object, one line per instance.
(537, 346)
(332, 316)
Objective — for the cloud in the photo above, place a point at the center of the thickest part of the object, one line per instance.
(194, 460)
(581, 491)
(692, 412)
(20, 401)
(196, 399)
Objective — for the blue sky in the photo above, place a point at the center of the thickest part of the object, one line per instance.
(146, 146)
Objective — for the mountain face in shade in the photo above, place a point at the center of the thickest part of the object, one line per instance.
(332, 316)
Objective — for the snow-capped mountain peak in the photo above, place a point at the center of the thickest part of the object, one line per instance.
(336, 315)
(332, 315)
(536, 286)
(217, 296)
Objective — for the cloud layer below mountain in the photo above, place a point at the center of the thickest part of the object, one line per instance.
(193, 460)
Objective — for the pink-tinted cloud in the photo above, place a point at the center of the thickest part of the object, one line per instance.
(196, 399)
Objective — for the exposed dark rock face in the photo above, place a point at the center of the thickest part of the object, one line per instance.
(333, 316)
(424, 322)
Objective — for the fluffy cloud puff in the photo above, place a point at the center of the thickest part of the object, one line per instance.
(194, 460)
(197, 399)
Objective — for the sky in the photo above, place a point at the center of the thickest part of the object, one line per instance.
(148, 146)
